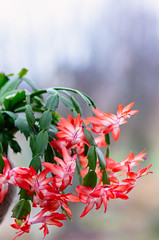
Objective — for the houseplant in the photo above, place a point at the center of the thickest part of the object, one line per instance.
(62, 149)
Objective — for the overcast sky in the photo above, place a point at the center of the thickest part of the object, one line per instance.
(40, 35)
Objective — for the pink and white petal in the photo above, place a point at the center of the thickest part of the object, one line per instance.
(3, 191)
(116, 133)
(87, 208)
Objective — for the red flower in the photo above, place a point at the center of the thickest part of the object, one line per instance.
(28, 178)
(38, 183)
(4, 185)
(9, 176)
(52, 219)
(98, 195)
(22, 225)
(104, 123)
(127, 164)
(52, 201)
(18, 177)
(64, 171)
(133, 177)
(71, 131)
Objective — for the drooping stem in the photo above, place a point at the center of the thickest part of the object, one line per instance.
(107, 140)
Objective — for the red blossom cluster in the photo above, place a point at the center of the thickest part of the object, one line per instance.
(76, 148)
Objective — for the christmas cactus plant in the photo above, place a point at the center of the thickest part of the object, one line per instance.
(62, 149)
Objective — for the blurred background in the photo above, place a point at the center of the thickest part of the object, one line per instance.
(110, 50)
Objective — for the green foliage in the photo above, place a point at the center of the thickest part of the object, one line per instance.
(45, 120)
(41, 142)
(3, 79)
(107, 152)
(92, 157)
(90, 180)
(29, 115)
(89, 136)
(52, 102)
(101, 159)
(107, 139)
(75, 105)
(105, 177)
(10, 114)
(36, 163)
(55, 118)
(87, 99)
(30, 83)
(49, 154)
(32, 143)
(86, 148)
(1, 148)
(9, 88)
(24, 195)
(37, 104)
(23, 72)
(2, 122)
(15, 146)
(23, 126)
(1, 164)
(21, 209)
(68, 104)
(15, 101)
(4, 142)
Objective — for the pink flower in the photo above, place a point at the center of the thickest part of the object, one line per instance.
(28, 178)
(22, 225)
(98, 195)
(71, 132)
(52, 219)
(52, 201)
(18, 177)
(104, 123)
(10, 176)
(127, 164)
(133, 177)
(38, 182)
(4, 177)
(64, 171)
